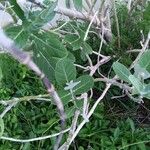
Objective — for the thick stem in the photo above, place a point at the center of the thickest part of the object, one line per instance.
(25, 58)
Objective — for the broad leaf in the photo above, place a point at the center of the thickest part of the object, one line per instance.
(122, 72)
(144, 61)
(70, 38)
(141, 72)
(146, 91)
(39, 18)
(71, 57)
(45, 62)
(65, 71)
(65, 96)
(70, 111)
(87, 48)
(1, 126)
(18, 34)
(136, 83)
(50, 45)
(85, 84)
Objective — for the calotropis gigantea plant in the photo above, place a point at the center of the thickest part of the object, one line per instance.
(63, 56)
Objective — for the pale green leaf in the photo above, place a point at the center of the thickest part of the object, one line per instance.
(141, 72)
(70, 111)
(146, 91)
(45, 62)
(85, 84)
(122, 72)
(65, 71)
(70, 38)
(87, 48)
(19, 34)
(50, 45)
(144, 61)
(136, 83)
(39, 18)
(71, 57)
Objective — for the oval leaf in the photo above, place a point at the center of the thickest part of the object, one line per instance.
(141, 72)
(122, 72)
(65, 71)
(85, 84)
(49, 44)
(87, 48)
(136, 83)
(144, 61)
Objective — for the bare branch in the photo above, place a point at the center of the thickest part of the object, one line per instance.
(66, 145)
(34, 139)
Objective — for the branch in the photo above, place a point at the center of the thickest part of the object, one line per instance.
(75, 14)
(8, 108)
(25, 58)
(101, 62)
(142, 51)
(89, 114)
(114, 82)
(34, 139)
(25, 98)
(66, 145)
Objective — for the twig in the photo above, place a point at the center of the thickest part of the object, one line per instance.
(133, 144)
(117, 23)
(89, 60)
(37, 4)
(142, 51)
(114, 82)
(129, 5)
(75, 14)
(65, 146)
(88, 3)
(133, 51)
(34, 139)
(92, 7)
(87, 31)
(8, 108)
(101, 43)
(25, 98)
(101, 62)
(82, 67)
(96, 53)
(85, 106)
(90, 113)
